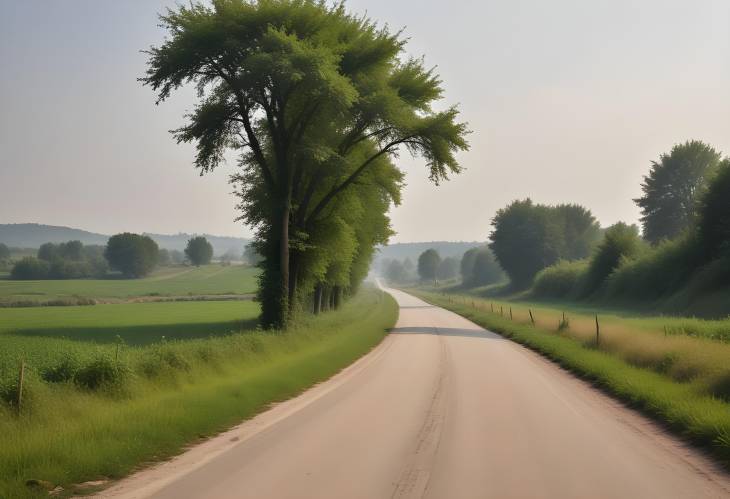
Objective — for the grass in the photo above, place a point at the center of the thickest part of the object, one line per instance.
(682, 381)
(169, 281)
(67, 435)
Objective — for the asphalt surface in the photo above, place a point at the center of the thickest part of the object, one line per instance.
(441, 409)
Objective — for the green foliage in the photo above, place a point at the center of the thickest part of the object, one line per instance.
(30, 268)
(4, 252)
(131, 254)
(528, 237)
(317, 102)
(562, 280)
(103, 373)
(395, 271)
(479, 268)
(428, 264)
(714, 214)
(621, 242)
(199, 251)
(673, 187)
(226, 380)
(448, 268)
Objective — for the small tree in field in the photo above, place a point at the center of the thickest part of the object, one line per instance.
(199, 251)
(132, 254)
(428, 264)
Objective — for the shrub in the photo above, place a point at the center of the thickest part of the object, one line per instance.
(199, 251)
(621, 242)
(562, 280)
(30, 268)
(656, 272)
(64, 371)
(102, 373)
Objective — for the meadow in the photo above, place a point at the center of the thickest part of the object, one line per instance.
(122, 404)
(166, 281)
(682, 380)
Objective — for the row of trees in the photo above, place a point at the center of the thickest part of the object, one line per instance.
(685, 234)
(316, 102)
(133, 255)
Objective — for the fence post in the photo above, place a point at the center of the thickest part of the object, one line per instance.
(510, 313)
(491, 305)
(598, 333)
(532, 319)
(21, 379)
(501, 311)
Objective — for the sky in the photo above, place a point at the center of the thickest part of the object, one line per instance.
(567, 101)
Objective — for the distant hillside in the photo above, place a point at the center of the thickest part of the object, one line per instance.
(401, 251)
(33, 235)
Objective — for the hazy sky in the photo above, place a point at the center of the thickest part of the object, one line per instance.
(568, 100)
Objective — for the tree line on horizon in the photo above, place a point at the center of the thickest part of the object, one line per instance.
(132, 255)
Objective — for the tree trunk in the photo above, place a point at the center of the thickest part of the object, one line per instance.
(284, 263)
(318, 299)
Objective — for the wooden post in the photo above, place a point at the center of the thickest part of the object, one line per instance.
(510, 313)
(532, 319)
(21, 379)
(598, 333)
(491, 305)
(501, 311)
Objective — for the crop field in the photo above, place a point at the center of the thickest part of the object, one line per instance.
(169, 281)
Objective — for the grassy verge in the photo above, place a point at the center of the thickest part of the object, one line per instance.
(687, 406)
(66, 435)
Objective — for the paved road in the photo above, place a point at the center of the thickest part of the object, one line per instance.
(441, 409)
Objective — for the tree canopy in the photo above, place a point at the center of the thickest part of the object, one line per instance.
(199, 251)
(714, 219)
(4, 252)
(673, 187)
(528, 237)
(428, 264)
(133, 255)
(317, 103)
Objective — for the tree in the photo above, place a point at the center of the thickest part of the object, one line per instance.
(466, 266)
(486, 270)
(714, 214)
(525, 240)
(163, 257)
(621, 241)
(428, 264)
(48, 252)
(448, 268)
(251, 255)
(671, 190)
(30, 268)
(395, 272)
(4, 252)
(199, 251)
(313, 99)
(133, 255)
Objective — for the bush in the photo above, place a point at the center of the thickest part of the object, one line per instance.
(102, 373)
(30, 268)
(563, 280)
(657, 272)
(62, 372)
(621, 242)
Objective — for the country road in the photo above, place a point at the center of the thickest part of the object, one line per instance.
(441, 409)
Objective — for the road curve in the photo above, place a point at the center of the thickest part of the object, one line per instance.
(441, 409)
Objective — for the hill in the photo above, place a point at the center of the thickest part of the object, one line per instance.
(33, 235)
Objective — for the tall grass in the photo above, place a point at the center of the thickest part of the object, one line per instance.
(175, 393)
(682, 381)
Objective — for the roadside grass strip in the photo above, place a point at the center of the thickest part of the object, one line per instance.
(685, 407)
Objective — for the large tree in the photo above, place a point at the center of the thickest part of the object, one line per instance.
(673, 187)
(313, 99)
(133, 255)
(714, 214)
(428, 264)
(199, 251)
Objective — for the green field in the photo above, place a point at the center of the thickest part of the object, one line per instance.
(168, 281)
(173, 393)
(681, 380)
